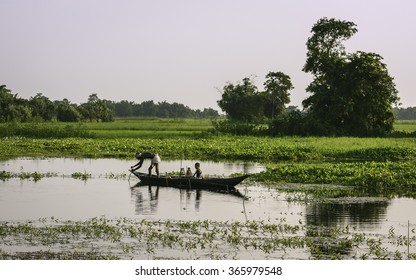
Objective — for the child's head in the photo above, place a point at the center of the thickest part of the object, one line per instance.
(197, 165)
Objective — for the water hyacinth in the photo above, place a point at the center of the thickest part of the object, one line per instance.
(101, 238)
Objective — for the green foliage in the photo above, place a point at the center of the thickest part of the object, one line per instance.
(235, 127)
(220, 148)
(242, 101)
(325, 46)
(352, 93)
(13, 108)
(67, 112)
(96, 109)
(300, 124)
(248, 109)
(277, 87)
(375, 178)
(40, 108)
(163, 109)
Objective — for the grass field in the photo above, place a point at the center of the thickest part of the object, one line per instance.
(120, 128)
(148, 128)
(405, 126)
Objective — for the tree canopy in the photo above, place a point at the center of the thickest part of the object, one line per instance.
(352, 93)
(244, 102)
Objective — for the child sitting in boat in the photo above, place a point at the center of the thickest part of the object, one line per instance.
(198, 172)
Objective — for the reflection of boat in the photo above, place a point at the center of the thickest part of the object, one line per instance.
(218, 184)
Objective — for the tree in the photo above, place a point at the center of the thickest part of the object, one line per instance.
(13, 108)
(325, 46)
(372, 92)
(66, 112)
(277, 87)
(406, 113)
(6, 99)
(42, 107)
(351, 93)
(123, 108)
(96, 109)
(242, 101)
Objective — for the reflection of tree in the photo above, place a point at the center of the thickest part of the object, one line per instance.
(324, 220)
(362, 215)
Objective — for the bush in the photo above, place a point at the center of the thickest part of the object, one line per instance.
(234, 127)
(300, 124)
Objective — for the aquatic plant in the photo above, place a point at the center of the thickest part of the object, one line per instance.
(166, 239)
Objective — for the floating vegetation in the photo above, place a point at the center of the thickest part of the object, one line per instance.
(374, 178)
(35, 176)
(101, 238)
(220, 148)
(81, 175)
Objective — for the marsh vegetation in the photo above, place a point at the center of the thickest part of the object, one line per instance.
(312, 198)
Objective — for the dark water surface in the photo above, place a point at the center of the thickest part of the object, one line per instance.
(112, 193)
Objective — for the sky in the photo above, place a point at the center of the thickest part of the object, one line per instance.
(186, 51)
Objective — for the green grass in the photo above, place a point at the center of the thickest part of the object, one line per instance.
(149, 128)
(405, 126)
(120, 128)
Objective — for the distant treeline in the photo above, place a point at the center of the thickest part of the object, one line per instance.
(406, 113)
(163, 109)
(41, 108)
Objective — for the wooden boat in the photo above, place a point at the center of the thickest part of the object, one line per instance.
(189, 182)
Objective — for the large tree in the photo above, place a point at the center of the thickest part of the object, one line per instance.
(242, 101)
(96, 109)
(351, 93)
(277, 91)
(42, 107)
(13, 108)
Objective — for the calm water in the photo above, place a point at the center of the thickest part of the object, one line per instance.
(64, 197)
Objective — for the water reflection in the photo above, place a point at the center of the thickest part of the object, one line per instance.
(146, 198)
(323, 219)
(363, 215)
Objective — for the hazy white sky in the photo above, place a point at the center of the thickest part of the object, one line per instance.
(185, 50)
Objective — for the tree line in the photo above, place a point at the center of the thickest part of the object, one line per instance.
(163, 109)
(350, 93)
(405, 113)
(41, 108)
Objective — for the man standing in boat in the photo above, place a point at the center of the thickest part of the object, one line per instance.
(155, 160)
